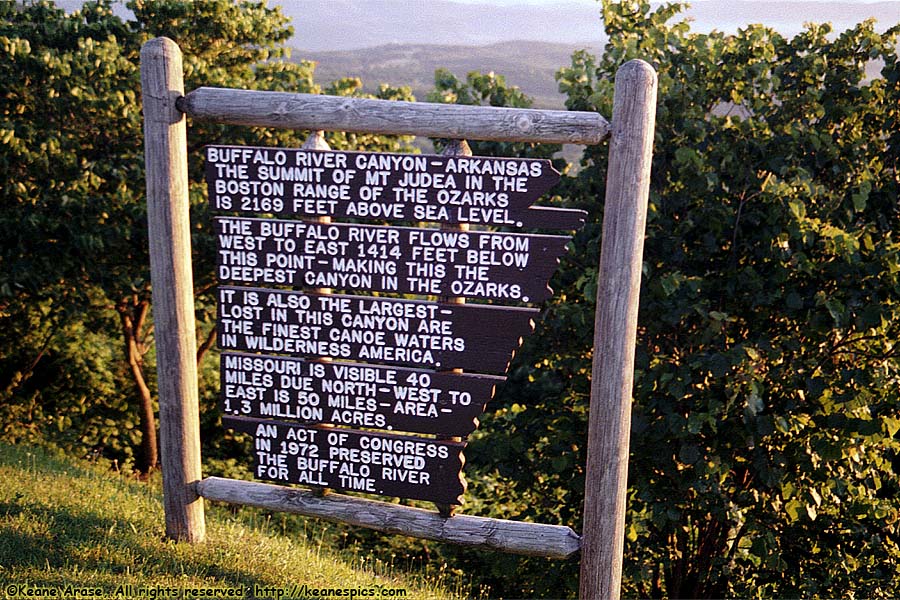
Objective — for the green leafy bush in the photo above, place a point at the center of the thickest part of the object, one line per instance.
(76, 337)
(764, 449)
(763, 442)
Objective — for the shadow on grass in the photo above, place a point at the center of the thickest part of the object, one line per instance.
(53, 546)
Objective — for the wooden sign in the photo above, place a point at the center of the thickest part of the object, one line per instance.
(383, 186)
(474, 337)
(361, 461)
(391, 462)
(380, 333)
(508, 267)
(355, 395)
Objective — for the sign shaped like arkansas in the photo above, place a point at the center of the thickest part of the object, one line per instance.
(361, 461)
(355, 395)
(473, 337)
(383, 186)
(476, 264)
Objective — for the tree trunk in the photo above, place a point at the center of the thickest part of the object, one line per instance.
(133, 316)
(207, 344)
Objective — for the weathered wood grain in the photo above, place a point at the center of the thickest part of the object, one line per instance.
(625, 215)
(363, 115)
(516, 537)
(316, 141)
(453, 148)
(165, 148)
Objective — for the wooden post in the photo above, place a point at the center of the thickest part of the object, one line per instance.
(391, 117)
(618, 288)
(165, 152)
(454, 148)
(517, 537)
(316, 141)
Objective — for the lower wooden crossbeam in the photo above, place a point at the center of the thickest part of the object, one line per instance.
(516, 537)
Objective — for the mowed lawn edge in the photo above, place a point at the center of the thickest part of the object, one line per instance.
(69, 522)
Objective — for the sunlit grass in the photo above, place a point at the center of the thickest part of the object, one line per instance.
(65, 522)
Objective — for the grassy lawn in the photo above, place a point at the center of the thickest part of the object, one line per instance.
(64, 522)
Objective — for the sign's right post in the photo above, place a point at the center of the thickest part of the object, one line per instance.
(618, 291)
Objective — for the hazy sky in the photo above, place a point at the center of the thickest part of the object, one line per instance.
(594, 2)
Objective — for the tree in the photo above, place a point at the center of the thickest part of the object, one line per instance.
(488, 89)
(74, 247)
(59, 115)
(763, 443)
(764, 453)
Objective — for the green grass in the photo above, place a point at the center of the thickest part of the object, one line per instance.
(66, 522)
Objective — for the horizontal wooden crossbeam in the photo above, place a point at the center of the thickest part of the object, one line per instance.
(363, 115)
(516, 537)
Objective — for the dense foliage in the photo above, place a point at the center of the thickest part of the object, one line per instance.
(76, 351)
(763, 444)
(764, 459)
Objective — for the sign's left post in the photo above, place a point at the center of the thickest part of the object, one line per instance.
(165, 155)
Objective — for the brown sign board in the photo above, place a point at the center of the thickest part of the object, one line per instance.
(362, 461)
(355, 395)
(384, 186)
(509, 267)
(431, 335)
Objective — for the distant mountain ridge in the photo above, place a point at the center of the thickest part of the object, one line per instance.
(527, 64)
(402, 42)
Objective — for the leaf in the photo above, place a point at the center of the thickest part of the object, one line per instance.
(687, 157)
(754, 405)
(815, 496)
(811, 512)
(631, 533)
(787, 490)
(689, 454)
(792, 509)
(891, 424)
(798, 209)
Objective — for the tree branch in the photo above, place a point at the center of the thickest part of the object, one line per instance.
(143, 309)
(207, 344)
